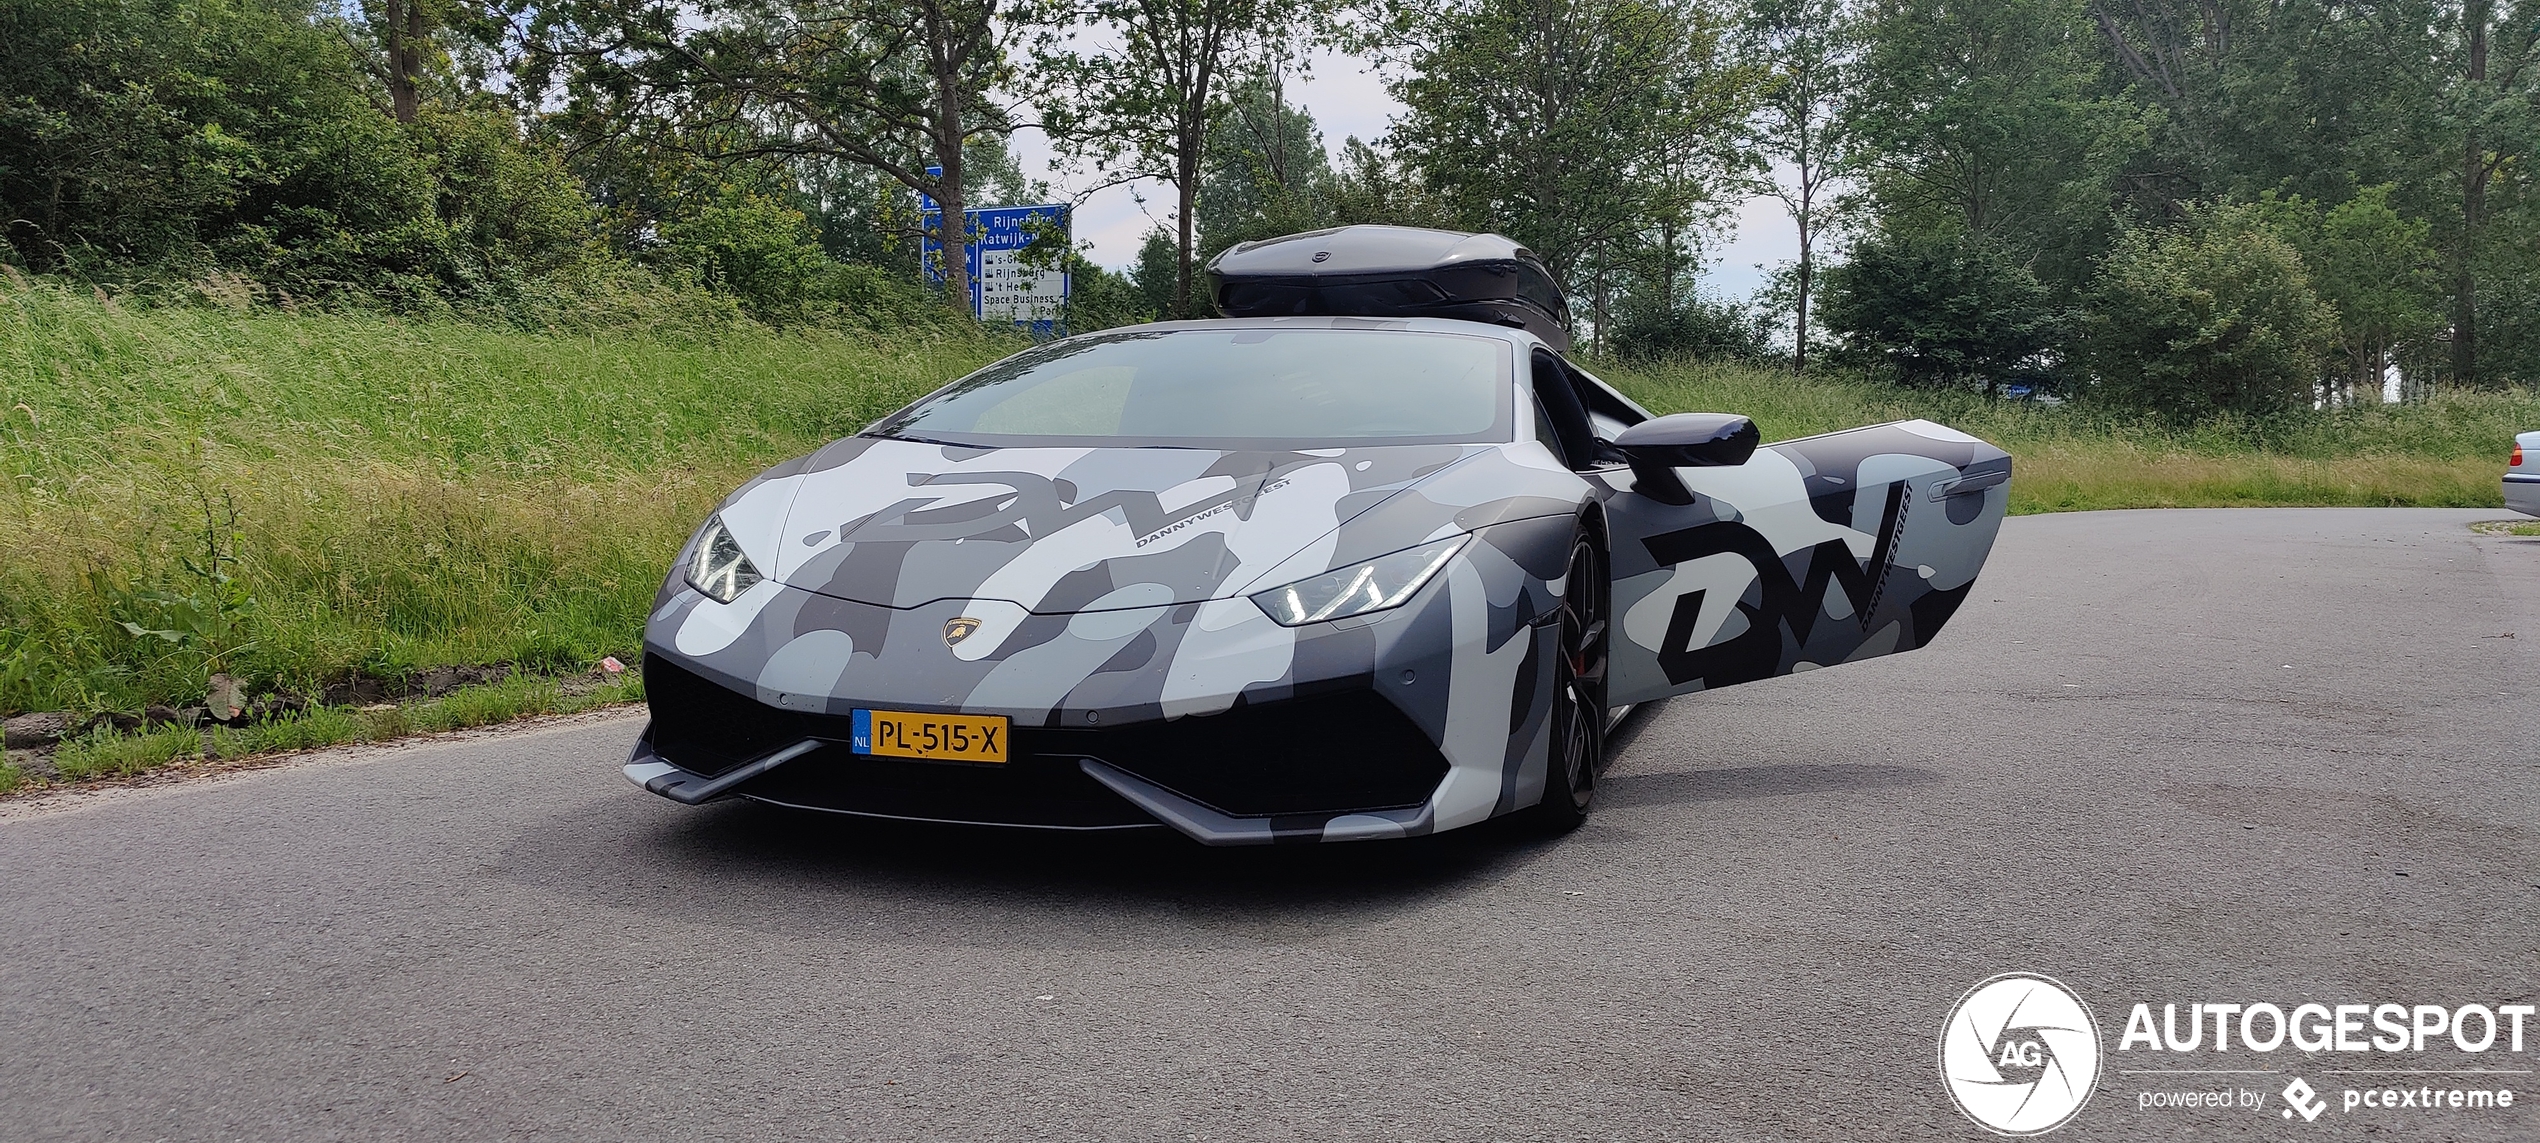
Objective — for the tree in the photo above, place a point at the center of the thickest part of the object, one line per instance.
(993, 176)
(406, 28)
(1100, 299)
(1989, 118)
(2376, 268)
(1569, 125)
(1799, 150)
(893, 86)
(2212, 316)
(2496, 87)
(1158, 273)
(1373, 185)
(2305, 98)
(2508, 295)
(134, 136)
(2438, 100)
(1267, 173)
(1648, 273)
(1143, 105)
(234, 135)
(1935, 311)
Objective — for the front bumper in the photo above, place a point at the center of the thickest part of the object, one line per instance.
(1205, 716)
(1033, 795)
(1340, 764)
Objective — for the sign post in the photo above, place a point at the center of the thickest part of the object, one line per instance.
(1004, 288)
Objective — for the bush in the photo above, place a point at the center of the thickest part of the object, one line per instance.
(1157, 274)
(1701, 329)
(757, 251)
(858, 295)
(2215, 316)
(1940, 312)
(132, 131)
(1100, 299)
(145, 143)
(509, 206)
(767, 257)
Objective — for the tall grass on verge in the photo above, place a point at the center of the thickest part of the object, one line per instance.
(295, 498)
(107, 752)
(2448, 452)
(292, 498)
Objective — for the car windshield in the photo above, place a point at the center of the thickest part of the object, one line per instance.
(1229, 388)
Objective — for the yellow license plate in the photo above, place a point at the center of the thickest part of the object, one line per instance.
(942, 737)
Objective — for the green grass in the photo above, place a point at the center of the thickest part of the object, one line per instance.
(106, 752)
(2448, 452)
(406, 495)
(411, 495)
(113, 753)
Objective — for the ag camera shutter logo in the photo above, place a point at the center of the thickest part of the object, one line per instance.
(2020, 1054)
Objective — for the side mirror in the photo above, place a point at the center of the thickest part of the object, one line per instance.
(1657, 448)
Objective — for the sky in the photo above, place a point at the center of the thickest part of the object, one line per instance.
(1347, 99)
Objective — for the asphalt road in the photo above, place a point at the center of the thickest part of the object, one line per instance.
(2164, 756)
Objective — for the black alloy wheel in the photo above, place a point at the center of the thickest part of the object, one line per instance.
(1578, 697)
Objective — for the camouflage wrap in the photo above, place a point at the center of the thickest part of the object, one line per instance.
(1109, 586)
(1101, 588)
(1817, 551)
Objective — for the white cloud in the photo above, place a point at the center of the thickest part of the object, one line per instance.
(1760, 237)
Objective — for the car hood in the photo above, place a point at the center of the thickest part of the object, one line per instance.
(1061, 530)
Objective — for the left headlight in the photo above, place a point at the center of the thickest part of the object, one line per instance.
(1380, 583)
(717, 566)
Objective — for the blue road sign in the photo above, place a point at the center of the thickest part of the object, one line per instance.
(1003, 287)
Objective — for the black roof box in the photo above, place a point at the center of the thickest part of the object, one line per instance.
(1392, 271)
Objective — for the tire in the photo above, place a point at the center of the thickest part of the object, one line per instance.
(1579, 690)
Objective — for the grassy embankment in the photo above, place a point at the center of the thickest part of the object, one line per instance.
(408, 496)
(109, 753)
(2448, 453)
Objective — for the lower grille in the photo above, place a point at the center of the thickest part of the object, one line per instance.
(1031, 790)
(1332, 753)
(1329, 754)
(710, 728)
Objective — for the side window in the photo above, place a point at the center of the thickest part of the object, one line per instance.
(1609, 410)
(1549, 435)
(1561, 405)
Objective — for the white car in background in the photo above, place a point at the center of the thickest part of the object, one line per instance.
(2522, 475)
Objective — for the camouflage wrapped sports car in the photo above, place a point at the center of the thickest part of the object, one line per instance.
(1321, 576)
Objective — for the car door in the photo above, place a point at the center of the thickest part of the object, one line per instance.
(1816, 551)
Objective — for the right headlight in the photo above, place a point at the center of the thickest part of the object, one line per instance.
(716, 565)
(1381, 583)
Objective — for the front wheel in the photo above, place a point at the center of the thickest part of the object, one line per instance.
(1578, 697)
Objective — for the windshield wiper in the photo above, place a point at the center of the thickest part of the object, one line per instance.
(922, 440)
